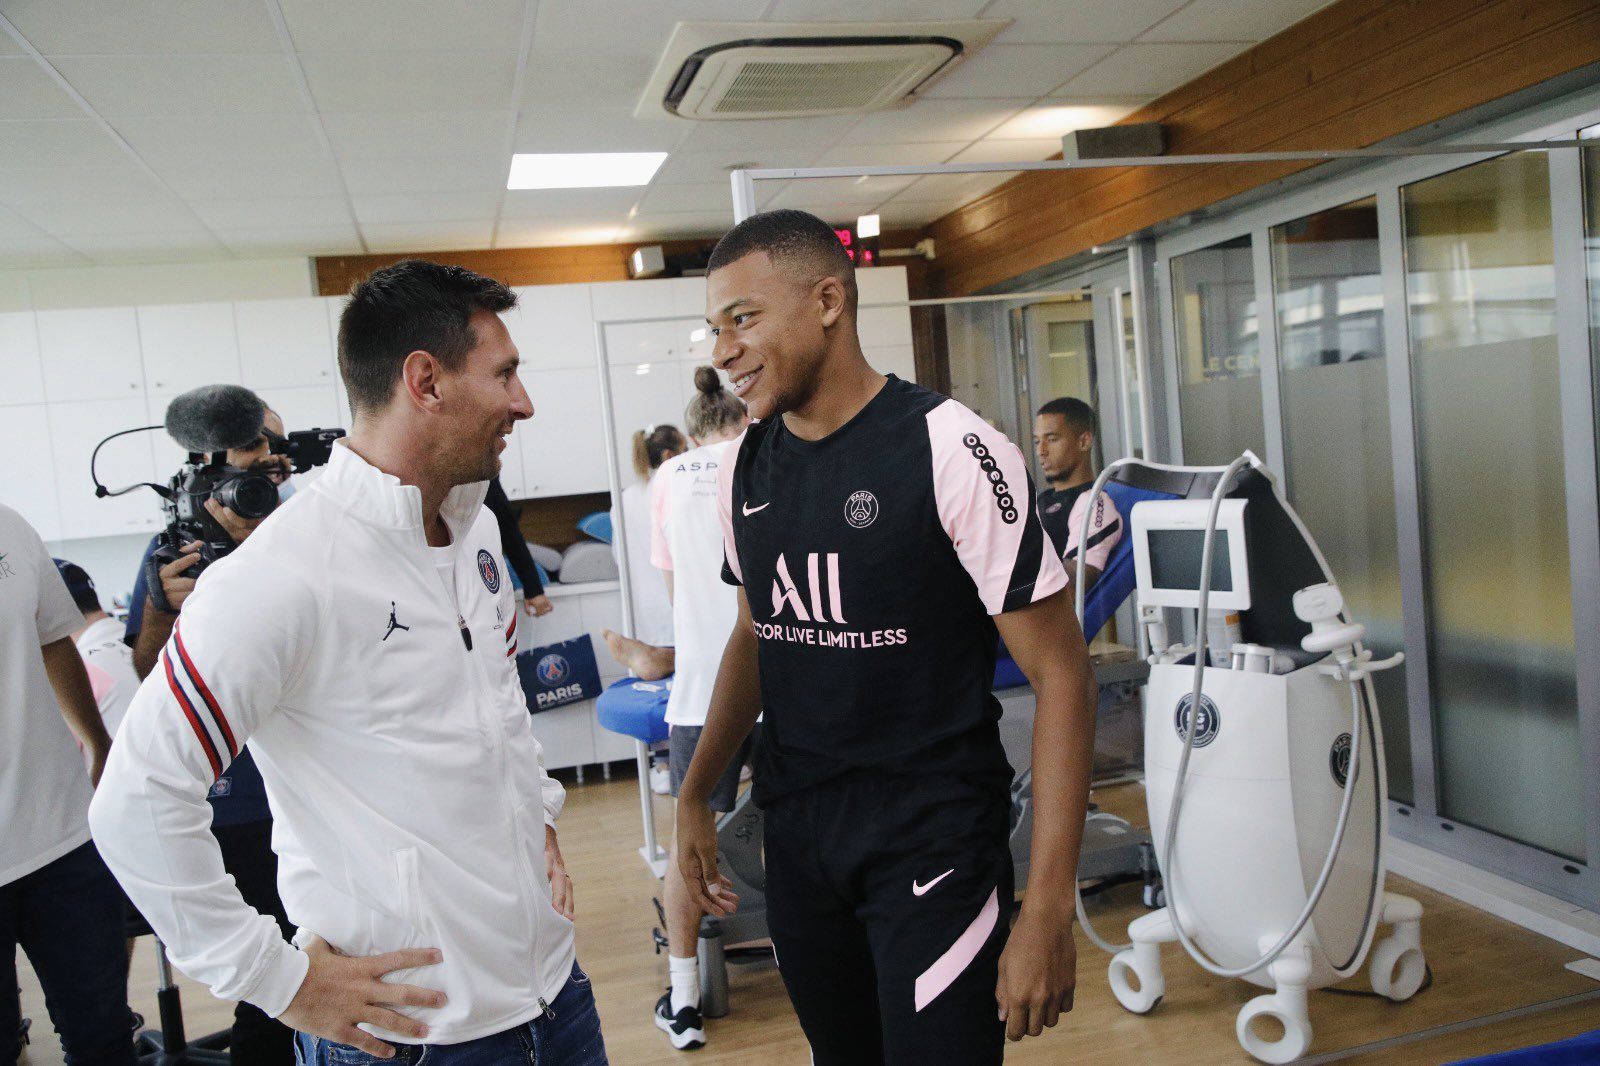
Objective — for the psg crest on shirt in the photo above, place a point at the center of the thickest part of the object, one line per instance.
(489, 570)
(861, 509)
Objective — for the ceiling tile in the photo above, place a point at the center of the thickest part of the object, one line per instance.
(14, 227)
(952, 189)
(1150, 69)
(992, 150)
(708, 196)
(126, 86)
(224, 179)
(561, 232)
(193, 137)
(587, 78)
(933, 120)
(156, 247)
(400, 25)
(879, 11)
(428, 236)
(884, 155)
(693, 168)
(126, 182)
(59, 142)
(261, 212)
(1057, 118)
(86, 218)
(556, 203)
(1017, 70)
(816, 133)
(614, 29)
(597, 129)
(1078, 21)
(831, 202)
(357, 135)
(1232, 20)
(425, 207)
(667, 225)
(38, 252)
(425, 173)
(94, 27)
(278, 240)
(27, 92)
(424, 81)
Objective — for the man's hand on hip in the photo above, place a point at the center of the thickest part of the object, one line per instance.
(339, 992)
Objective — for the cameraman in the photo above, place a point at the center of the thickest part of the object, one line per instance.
(240, 818)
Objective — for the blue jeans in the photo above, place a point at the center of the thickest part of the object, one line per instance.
(67, 916)
(567, 1035)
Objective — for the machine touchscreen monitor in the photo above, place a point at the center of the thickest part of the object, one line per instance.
(1169, 539)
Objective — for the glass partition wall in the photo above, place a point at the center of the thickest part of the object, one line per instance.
(1424, 391)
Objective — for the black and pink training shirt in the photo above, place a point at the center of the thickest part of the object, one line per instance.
(873, 560)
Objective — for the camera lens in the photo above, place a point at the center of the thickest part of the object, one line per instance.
(250, 495)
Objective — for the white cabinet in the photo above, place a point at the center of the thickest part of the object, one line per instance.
(553, 326)
(75, 428)
(284, 344)
(614, 300)
(184, 346)
(90, 354)
(881, 285)
(307, 407)
(650, 342)
(20, 368)
(513, 476)
(334, 305)
(563, 444)
(28, 474)
(566, 734)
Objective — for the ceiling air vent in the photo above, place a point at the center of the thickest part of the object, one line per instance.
(764, 71)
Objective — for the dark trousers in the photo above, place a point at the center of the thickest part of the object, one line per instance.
(67, 916)
(247, 855)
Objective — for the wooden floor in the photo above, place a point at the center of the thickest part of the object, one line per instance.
(1482, 967)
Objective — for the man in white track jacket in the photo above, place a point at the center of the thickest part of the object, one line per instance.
(363, 642)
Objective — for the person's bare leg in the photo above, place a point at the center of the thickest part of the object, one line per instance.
(648, 662)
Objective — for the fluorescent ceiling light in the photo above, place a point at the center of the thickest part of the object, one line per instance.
(867, 226)
(583, 170)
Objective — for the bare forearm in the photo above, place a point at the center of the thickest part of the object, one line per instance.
(1063, 762)
(735, 706)
(75, 695)
(154, 629)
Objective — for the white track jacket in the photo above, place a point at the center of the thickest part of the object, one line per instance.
(401, 766)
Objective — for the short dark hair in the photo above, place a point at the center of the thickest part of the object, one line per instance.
(1078, 415)
(411, 306)
(789, 237)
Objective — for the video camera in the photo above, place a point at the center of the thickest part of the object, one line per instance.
(209, 421)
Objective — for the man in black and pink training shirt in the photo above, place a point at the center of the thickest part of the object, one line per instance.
(880, 533)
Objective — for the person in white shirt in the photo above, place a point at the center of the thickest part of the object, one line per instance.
(363, 641)
(686, 546)
(57, 900)
(652, 609)
(106, 656)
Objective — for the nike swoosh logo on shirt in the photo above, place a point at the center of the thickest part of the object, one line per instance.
(922, 890)
(748, 510)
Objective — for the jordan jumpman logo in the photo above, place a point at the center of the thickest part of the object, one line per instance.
(394, 623)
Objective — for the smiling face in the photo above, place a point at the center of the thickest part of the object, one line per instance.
(480, 403)
(771, 327)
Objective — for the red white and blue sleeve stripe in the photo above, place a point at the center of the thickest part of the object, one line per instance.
(511, 636)
(199, 705)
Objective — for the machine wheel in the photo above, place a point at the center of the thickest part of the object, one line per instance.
(1396, 969)
(1291, 1045)
(1123, 971)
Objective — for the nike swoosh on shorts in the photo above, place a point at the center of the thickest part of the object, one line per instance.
(920, 890)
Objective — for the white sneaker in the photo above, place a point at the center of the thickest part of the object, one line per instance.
(686, 1029)
(660, 779)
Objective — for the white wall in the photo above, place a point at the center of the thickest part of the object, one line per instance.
(162, 283)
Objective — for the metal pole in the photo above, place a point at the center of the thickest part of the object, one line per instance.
(744, 195)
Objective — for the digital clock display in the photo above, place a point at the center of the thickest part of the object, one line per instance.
(862, 253)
